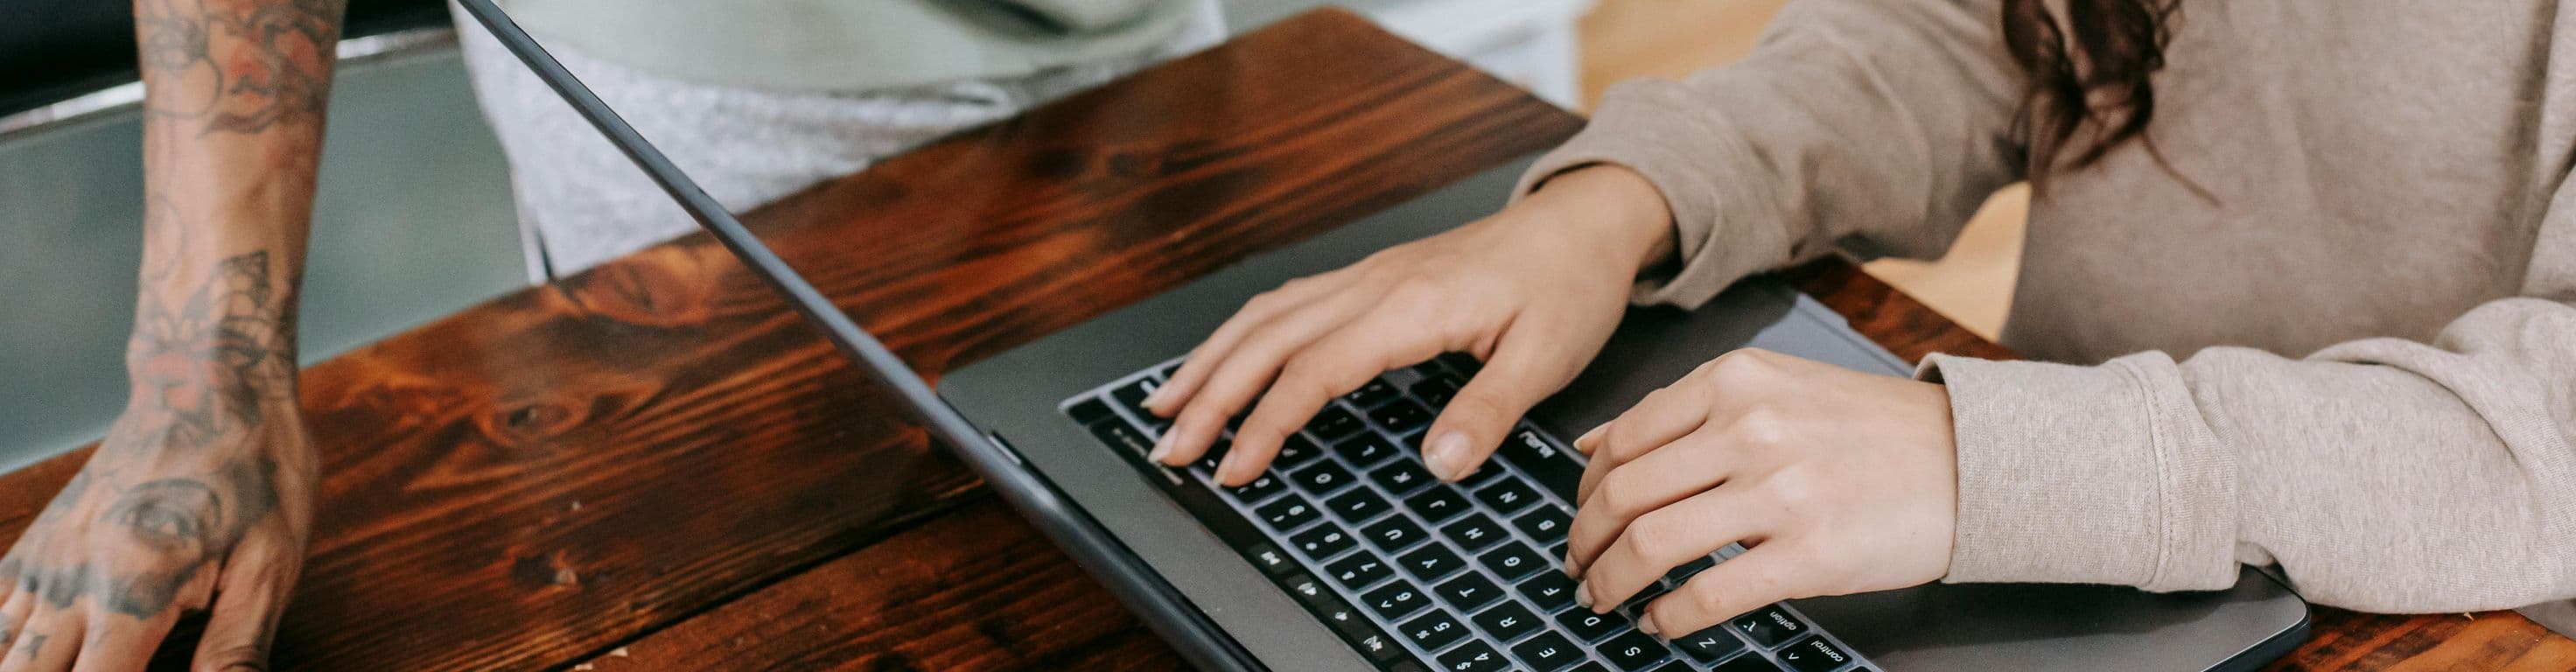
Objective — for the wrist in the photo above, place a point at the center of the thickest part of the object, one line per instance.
(1624, 215)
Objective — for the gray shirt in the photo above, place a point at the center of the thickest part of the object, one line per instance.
(854, 45)
(2357, 360)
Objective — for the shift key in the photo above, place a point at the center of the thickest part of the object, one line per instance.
(1544, 461)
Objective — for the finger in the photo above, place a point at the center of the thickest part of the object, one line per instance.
(1658, 541)
(1334, 365)
(1757, 577)
(121, 643)
(47, 644)
(14, 613)
(1167, 399)
(248, 600)
(1681, 469)
(1663, 416)
(1525, 367)
(1245, 373)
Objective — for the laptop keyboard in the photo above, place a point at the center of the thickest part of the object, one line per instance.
(1419, 575)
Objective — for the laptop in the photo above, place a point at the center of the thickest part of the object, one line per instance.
(1348, 555)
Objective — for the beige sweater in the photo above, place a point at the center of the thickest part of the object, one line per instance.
(2358, 363)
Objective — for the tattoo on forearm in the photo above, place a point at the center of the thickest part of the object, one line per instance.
(211, 361)
(238, 65)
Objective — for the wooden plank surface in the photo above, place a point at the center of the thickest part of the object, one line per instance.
(656, 466)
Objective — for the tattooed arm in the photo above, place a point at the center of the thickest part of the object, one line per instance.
(201, 496)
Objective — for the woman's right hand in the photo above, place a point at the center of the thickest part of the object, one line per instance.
(1533, 291)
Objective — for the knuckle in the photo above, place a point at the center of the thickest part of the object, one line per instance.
(1794, 488)
(1650, 536)
(1761, 424)
(1707, 597)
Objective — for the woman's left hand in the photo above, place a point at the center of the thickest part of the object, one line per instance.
(1838, 481)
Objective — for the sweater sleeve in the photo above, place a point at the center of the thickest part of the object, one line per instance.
(2380, 474)
(1872, 126)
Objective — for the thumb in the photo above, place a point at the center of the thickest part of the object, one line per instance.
(248, 600)
(1477, 419)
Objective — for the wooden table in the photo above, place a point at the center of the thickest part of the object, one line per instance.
(656, 466)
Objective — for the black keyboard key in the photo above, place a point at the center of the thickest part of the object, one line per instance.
(1549, 590)
(1634, 651)
(1747, 664)
(1769, 626)
(1468, 592)
(1589, 626)
(1814, 654)
(1401, 415)
(1709, 645)
(1547, 652)
(1374, 393)
(1437, 505)
(1506, 621)
(1394, 534)
(1215, 454)
(1508, 496)
(1437, 389)
(1431, 562)
(1259, 489)
(1513, 561)
(1088, 411)
(1286, 514)
(1325, 541)
(1401, 477)
(1168, 369)
(1433, 630)
(1366, 450)
(1543, 461)
(1296, 452)
(1346, 621)
(1358, 571)
(1485, 473)
(1463, 363)
(1271, 560)
(1132, 395)
(1684, 572)
(1120, 435)
(1591, 667)
(1322, 478)
(1358, 505)
(1395, 600)
(1474, 532)
(1333, 423)
(1547, 524)
(1474, 657)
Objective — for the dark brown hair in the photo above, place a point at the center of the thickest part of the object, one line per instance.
(2088, 73)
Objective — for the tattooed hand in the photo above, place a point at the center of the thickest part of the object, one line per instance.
(199, 500)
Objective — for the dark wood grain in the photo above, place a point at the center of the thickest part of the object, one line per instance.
(654, 465)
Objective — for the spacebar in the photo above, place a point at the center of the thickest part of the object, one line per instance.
(1544, 460)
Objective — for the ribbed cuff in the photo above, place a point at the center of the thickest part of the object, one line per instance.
(2072, 474)
(1651, 126)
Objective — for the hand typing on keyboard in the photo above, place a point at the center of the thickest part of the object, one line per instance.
(1841, 482)
(1533, 291)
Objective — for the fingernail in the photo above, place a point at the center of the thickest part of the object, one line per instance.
(1646, 624)
(1583, 442)
(1154, 400)
(1573, 569)
(1162, 447)
(1448, 456)
(1227, 466)
(1583, 594)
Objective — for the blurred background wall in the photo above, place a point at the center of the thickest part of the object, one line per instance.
(414, 220)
